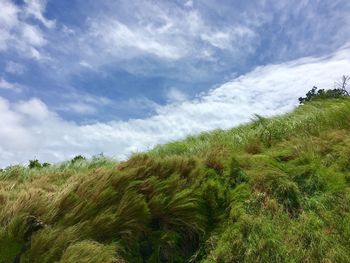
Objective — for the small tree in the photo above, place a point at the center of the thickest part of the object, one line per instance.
(78, 158)
(338, 91)
(34, 164)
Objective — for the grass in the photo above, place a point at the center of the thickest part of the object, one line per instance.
(273, 190)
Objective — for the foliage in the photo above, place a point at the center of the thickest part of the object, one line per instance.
(338, 92)
(78, 158)
(34, 164)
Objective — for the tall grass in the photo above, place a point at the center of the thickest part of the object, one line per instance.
(274, 190)
(307, 119)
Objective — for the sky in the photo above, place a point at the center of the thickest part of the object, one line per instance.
(117, 77)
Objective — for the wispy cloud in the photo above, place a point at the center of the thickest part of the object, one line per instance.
(4, 84)
(165, 31)
(18, 33)
(15, 68)
(119, 39)
(83, 103)
(175, 95)
(36, 8)
(80, 108)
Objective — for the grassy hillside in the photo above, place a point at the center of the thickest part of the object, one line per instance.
(275, 190)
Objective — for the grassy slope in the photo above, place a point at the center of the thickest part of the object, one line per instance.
(275, 190)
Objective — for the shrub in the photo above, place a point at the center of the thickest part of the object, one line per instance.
(78, 158)
(328, 93)
(34, 164)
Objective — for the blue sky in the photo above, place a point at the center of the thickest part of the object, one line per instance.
(84, 77)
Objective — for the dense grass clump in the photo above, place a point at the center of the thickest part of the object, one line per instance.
(274, 190)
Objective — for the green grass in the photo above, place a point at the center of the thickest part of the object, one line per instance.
(273, 190)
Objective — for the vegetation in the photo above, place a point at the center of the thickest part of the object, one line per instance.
(338, 92)
(36, 164)
(274, 190)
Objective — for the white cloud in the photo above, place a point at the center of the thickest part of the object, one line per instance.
(81, 108)
(15, 68)
(32, 35)
(86, 65)
(82, 103)
(4, 84)
(14, 135)
(18, 33)
(166, 31)
(9, 13)
(189, 3)
(8, 20)
(267, 90)
(36, 8)
(89, 99)
(118, 38)
(231, 38)
(34, 109)
(175, 95)
(219, 39)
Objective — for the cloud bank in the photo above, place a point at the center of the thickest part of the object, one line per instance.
(30, 129)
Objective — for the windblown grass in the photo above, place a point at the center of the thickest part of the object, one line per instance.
(274, 190)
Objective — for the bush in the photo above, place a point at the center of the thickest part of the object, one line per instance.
(34, 164)
(78, 158)
(328, 93)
